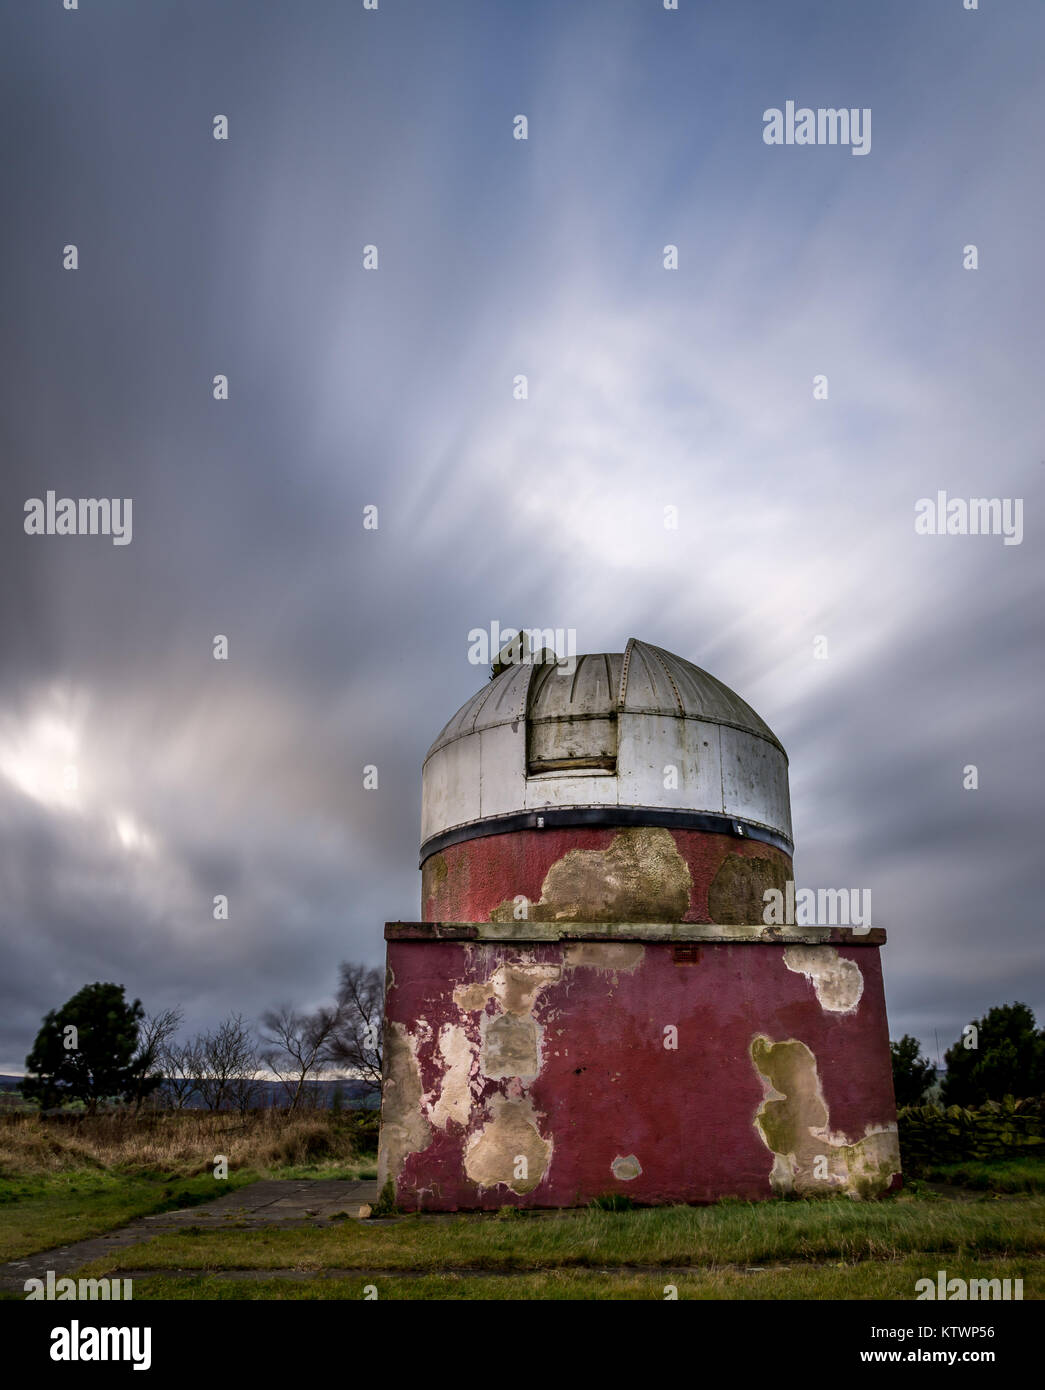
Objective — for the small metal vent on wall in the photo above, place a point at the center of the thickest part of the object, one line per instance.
(685, 953)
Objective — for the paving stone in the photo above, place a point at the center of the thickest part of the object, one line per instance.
(271, 1202)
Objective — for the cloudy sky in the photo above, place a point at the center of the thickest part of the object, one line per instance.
(648, 388)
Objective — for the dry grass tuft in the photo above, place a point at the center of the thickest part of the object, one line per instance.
(180, 1144)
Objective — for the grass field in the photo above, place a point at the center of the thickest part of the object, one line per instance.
(48, 1209)
(979, 1221)
(818, 1249)
(63, 1181)
(874, 1279)
(729, 1233)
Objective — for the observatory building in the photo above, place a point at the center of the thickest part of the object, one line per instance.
(598, 999)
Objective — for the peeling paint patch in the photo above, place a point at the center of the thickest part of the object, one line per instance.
(510, 1046)
(468, 998)
(837, 981)
(793, 1123)
(640, 877)
(404, 1128)
(735, 894)
(626, 1168)
(514, 985)
(510, 1040)
(509, 1149)
(615, 956)
(455, 1094)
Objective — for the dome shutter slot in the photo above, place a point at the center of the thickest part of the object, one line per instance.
(562, 745)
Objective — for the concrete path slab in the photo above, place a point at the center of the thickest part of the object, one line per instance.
(275, 1203)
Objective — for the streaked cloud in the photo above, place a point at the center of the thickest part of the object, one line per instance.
(647, 388)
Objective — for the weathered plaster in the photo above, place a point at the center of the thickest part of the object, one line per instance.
(736, 893)
(837, 981)
(794, 1124)
(404, 1127)
(510, 1046)
(626, 1168)
(514, 985)
(611, 956)
(509, 1049)
(492, 1155)
(640, 877)
(454, 1101)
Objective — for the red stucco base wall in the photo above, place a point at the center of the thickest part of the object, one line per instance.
(466, 882)
(608, 1089)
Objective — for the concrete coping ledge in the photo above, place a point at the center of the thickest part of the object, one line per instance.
(712, 933)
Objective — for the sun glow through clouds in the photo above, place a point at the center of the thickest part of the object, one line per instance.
(42, 759)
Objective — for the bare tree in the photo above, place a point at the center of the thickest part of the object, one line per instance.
(356, 1043)
(228, 1067)
(182, 1066)
(298, 1047)
(245, 1091)
(154, 1034)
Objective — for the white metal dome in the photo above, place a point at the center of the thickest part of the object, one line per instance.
(639, 737)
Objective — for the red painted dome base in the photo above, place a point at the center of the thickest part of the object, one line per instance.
(603, 874)
(547, 1075)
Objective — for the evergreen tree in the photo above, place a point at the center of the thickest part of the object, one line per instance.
(999, 1055)
(86, 1051)
(912, 1073)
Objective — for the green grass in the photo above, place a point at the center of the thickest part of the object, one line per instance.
(973, 1220)
(869, 1280)
(731, 1233)
(42, 1210)
(360, 1169)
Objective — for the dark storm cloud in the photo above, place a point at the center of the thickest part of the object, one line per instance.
(693, 389)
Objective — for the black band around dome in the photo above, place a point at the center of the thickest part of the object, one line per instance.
(564, 817)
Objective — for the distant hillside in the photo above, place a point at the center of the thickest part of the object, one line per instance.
(273, 1093)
